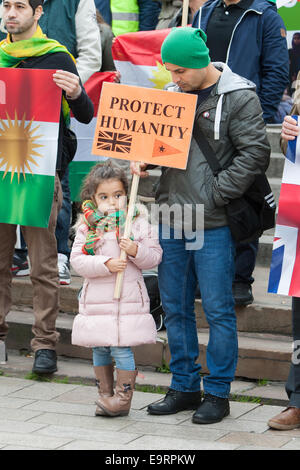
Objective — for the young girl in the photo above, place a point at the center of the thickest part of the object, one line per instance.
(108, 325)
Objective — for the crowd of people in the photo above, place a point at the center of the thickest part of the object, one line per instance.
(234, 56)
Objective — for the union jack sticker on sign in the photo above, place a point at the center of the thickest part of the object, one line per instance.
(114, 142)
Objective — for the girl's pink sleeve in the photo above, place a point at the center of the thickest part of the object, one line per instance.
(87, 266)
(149, 252)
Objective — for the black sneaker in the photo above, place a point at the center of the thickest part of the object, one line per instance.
(242, 294)
(45, 362)
(20, 266)
(212, 410)
(175, 401)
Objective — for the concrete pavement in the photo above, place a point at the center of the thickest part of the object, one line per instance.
(60, 416)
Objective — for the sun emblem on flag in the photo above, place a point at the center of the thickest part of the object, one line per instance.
(18, 146)
(161, 76)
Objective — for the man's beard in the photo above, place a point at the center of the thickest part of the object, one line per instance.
(19, 29)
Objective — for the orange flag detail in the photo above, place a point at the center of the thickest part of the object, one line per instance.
(161, 149)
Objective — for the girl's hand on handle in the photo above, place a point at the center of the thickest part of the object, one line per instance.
(290, 129)
(129, 246)
(138, 168)
(116, 265)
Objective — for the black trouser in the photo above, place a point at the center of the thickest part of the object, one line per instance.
(293, 382)
(245, 258)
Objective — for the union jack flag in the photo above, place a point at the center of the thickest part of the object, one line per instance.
(114, 142)
(285, 264)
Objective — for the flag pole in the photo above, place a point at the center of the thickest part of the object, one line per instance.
(127, 231)
(185, 12)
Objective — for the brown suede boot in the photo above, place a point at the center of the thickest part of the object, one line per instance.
(119, 404)
(105, 382)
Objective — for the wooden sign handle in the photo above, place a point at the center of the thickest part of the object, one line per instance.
(127, 231)
(185, 13)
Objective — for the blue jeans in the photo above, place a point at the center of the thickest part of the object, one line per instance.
(124, 357)
(64, 218)
(213, 267)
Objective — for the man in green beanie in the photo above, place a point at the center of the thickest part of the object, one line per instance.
(230, 117)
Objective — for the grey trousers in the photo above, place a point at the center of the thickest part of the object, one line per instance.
(293, 382)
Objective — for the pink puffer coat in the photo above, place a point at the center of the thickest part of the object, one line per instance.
(103, 320)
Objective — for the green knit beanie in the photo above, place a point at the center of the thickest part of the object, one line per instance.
(186, 47)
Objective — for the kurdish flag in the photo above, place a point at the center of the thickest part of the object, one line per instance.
(83, 159)
(30, 106)
(137, 58)
(289, 10)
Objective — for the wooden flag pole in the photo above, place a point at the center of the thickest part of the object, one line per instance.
(185, 13)
(127, 231)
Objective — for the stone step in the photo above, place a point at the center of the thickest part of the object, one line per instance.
(269, 313)
(261, 355)
(276, 165)
(273, 132)
(264, 254)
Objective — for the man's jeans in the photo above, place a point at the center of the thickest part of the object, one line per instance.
(213, 267)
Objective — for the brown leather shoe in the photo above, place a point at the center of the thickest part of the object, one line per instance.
(287, 419)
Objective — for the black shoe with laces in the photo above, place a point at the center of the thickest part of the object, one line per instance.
(175, 401)
(212, 410)
(45, 362)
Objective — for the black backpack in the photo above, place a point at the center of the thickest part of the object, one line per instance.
(156, 310)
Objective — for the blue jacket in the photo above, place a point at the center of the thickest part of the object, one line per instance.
(104, 7)
(257, 51)
(149, 12)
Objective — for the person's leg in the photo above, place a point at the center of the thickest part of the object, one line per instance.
(177, 285)
(245, 259)
(124, 358)
(293, 382)
(214, 265)
(62, 232)
(104, 373)
(119, 404)
(290, 417)
(7, 244)
(20, 265)
(42, 250)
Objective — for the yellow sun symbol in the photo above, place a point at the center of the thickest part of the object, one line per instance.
(17, 146)
(161, 76)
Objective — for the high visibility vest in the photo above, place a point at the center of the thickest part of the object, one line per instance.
(125, 16)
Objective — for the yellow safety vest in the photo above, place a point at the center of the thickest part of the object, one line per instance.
(125, 16)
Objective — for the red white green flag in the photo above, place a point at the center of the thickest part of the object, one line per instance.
(84, 160)
(289, 10)
(30, 105)
(137, 57)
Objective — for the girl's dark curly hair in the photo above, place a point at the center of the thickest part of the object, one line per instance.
(99, 173)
